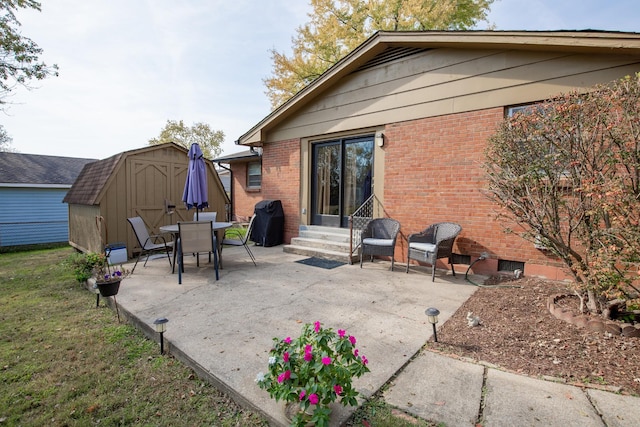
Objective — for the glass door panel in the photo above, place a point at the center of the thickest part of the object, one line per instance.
(341, 181)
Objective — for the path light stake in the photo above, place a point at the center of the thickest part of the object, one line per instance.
(97, 291)
(432, 315)
(161, 326)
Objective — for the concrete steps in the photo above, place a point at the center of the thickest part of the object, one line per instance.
(322, 242)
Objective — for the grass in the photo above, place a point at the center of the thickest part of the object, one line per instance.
(64, 362)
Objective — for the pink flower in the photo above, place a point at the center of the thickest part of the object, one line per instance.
(308, 357)
(365, 360)
(285, 357)
(313, 399)
(287, 340)
(326, 361)
(352, 339)
(337, 388)
(303, 393)
(355, 352)
(316, 326)
(341, 333)
(307, 348)
(284, 376)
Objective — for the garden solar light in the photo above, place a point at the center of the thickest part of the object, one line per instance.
(161, 326)
(432, 315)
(97, 291)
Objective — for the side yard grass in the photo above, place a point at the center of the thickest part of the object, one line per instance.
(64, 362)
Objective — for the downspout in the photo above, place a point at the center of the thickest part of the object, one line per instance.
(230, 189)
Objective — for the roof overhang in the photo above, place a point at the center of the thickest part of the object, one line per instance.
(18, 185)
(589, 41)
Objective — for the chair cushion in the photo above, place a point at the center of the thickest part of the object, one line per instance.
(377, 242)
(425, 247)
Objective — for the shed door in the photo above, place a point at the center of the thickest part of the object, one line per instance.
(151, 184)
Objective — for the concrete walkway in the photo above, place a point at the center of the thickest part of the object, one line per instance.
(224, 329)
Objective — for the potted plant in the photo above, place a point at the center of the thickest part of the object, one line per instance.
(96, 266)
(312, 371)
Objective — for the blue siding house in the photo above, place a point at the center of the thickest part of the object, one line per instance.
(31, 191)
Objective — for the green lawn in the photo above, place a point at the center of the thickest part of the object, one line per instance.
(64, 362)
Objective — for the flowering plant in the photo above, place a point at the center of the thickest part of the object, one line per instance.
(314, 370)
(104, 273)
(96, 265)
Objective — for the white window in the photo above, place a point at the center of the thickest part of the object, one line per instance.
(254, 174)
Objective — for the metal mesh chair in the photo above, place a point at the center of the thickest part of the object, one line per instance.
(379, 238)
(240, 240)
(196, 237)
(205, 216)
(149, 244)
(436, 241)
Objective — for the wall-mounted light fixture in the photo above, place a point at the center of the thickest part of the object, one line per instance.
(379, 138)
(432, 316)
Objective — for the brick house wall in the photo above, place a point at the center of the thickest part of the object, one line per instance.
(281, 181)
(244, 199)
(433, 173)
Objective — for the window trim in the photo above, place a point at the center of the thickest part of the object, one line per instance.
(255, 176)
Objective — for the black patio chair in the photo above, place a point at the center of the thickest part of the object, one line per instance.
(435, 242)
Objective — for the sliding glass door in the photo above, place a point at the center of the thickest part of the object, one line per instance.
(342, 179)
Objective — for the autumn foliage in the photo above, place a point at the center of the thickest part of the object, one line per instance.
(566, 172)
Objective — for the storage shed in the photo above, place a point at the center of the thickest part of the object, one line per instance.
(134, 183)
(32, 187)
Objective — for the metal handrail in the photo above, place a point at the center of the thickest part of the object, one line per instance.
(357, 221)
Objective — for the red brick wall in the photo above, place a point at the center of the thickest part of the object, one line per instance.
(281, 181)
(433, 173)
(244, 200)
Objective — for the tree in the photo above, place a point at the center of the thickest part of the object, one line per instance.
(19, 55)
(5, 141)
(338, 26)
(201, 133)
(567, 174)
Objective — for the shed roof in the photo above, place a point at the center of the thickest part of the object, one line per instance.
(384, 44)
(91, 181)
(94, 177)
(37, 170)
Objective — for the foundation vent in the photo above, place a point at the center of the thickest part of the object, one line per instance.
(511, 266)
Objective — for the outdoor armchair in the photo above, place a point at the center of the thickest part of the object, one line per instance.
(205, 216)
(149, 244)
(436, 241)
(234, 237)
(379, 238)
(196, 237)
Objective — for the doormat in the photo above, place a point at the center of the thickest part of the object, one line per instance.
(327, 264)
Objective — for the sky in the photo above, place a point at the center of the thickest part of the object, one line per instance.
(128, 66)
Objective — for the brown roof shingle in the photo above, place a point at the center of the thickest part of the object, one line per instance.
(91, 181)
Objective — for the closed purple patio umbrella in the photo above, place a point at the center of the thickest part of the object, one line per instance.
(195, 187)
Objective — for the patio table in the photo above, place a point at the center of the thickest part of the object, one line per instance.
(175, 231)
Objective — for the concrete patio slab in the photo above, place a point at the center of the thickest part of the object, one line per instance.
(226, 327)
